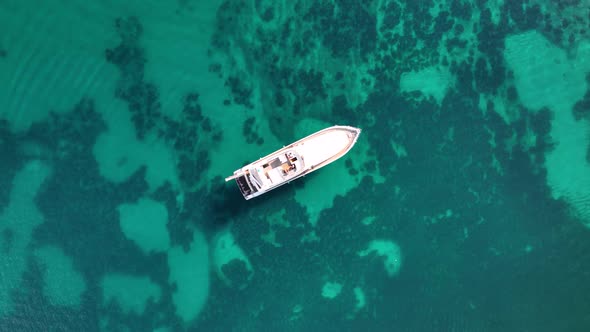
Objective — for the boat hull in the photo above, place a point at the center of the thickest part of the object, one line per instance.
(295, 160)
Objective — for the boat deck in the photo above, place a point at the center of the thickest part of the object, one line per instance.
(318, 149)
(295, 160)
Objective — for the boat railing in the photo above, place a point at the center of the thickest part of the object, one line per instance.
(233, 177)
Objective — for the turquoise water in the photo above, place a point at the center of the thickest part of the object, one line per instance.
(464, 206)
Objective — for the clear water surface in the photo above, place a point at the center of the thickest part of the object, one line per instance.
(465, 205)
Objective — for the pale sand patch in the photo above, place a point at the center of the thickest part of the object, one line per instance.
(144, 222)
(19, 219)
(389, 250)
(331, 290)
(131, 293)
(546, 77)
(431, 82)
(189, 271)
(63, 285)
(120, 154)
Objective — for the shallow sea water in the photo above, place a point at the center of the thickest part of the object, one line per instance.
(464, 206)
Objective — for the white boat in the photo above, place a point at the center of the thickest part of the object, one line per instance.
(295, 160)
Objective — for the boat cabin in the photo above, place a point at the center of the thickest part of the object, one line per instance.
(272, 172)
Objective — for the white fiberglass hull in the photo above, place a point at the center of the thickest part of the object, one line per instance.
(295, 160)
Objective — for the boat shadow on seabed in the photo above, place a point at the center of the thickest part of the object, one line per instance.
(226, 203)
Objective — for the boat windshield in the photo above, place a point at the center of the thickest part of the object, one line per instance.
(255, 180)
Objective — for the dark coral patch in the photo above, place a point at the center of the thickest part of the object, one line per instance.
(129, 57)
(241, 92)
(11, 159)
(250, 132)
(582, 107)
(343, 27)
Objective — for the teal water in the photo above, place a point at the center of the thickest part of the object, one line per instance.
(464, 206)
